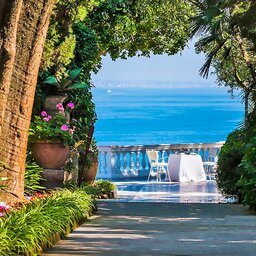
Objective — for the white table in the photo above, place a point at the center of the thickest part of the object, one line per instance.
(184, 168)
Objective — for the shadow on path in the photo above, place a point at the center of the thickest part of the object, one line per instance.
(146, 229)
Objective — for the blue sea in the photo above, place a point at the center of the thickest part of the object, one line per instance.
(143, 116)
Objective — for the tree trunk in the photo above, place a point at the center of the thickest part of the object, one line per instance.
(23, 24)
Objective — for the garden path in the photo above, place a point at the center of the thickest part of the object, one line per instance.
(136, 227)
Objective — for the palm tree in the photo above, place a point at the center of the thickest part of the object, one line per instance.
(226, 50)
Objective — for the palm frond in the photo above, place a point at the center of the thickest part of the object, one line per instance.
(204, 70)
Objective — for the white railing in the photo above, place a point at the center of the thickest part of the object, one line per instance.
(131, 161)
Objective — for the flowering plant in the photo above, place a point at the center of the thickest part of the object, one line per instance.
(55, 128)
(4, 208)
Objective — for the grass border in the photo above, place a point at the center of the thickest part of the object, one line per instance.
(40, 224)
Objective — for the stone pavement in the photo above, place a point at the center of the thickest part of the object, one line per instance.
(166, 218)
(146, 229)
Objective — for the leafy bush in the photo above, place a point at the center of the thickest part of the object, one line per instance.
(247, 182)
(105, 186)
(31, 228)
(230, 157)
(91, 189)
(99, 188)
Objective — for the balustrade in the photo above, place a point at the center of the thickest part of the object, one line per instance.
(131, 161)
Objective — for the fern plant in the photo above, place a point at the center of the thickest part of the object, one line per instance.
(33, 175)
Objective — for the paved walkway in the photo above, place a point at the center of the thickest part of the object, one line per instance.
(169, 192)
(146, 229)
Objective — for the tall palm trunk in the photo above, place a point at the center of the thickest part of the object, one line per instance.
(23, 24)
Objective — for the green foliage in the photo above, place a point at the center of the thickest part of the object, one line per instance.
(94, 151)
(87, 52)
(91, 189)
(227, 49)
(247, 182)
(68, 82)
(51, 129)
(121, 28)
(84, 113)
(105, 186)
(61, 41)
(99, 188)
(32, 227)
(128, 28)
(230, 157)
(246, 18)
(32, 176)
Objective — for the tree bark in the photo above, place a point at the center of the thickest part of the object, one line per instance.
(24, 24)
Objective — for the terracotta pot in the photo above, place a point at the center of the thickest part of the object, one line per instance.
(89, 174)
(49, 155)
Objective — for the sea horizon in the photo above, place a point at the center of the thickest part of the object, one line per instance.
(130, 115)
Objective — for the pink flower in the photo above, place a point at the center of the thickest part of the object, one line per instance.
(4, 206)
(64, 127)
(43, 113)
(46, 119)
(71, 105)
(1, 214)
(60, 107)
(74, 127)
(49, 117)
(71, 131)
(74, 120)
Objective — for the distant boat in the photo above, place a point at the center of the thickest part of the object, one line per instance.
(109, 91)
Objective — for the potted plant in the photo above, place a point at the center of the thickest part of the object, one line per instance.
(57, 89)
(51, 137)
(88, 162)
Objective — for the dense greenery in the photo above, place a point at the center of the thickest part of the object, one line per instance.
(247, 182)
(34, 226)
(237, 166)
(229, 160)
(127, 28)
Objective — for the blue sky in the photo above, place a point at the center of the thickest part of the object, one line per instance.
(180, 68)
